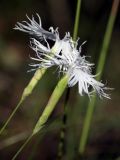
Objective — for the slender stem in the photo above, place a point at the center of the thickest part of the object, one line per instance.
(21, 148)
(86, 126)
(10, 117)
(27, 91)
(103, 54)
(77, 17)
(107, 37)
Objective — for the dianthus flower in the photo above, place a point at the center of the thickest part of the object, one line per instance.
(64, 54)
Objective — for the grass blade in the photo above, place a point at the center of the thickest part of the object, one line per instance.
(77, 17)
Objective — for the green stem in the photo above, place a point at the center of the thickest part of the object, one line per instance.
(21, 148)
(107, 37)
(86, 126)
(101, 63)
(27, 91)
(10, 117)
(77, 17)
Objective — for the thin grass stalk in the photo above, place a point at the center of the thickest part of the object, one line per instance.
(101, 63)
(53, 124)
(27, 91)
(34, 149)
(57, 93)
(77, 18)
(21, 148)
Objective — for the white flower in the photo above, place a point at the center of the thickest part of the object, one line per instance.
(65, 55)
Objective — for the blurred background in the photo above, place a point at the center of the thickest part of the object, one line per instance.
(104, 137)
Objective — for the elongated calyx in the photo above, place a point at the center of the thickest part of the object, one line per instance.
(65, 54)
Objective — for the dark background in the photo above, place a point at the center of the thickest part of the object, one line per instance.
(104, 138)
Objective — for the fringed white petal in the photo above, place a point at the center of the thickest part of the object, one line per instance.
(86, 83)
(38, 47)
(35, 29)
